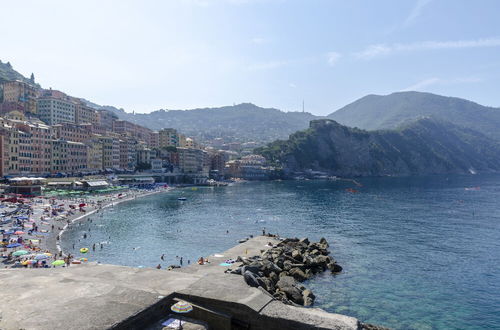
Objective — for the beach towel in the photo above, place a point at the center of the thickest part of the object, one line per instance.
(172, 323)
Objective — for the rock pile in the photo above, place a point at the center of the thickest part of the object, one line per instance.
(280, 269)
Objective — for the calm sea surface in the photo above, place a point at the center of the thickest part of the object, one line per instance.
(418, 253)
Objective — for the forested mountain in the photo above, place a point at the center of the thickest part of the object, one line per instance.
(374, 112)
(242, 122)
(426, 146)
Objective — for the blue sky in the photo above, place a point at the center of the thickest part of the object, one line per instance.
(178, 54)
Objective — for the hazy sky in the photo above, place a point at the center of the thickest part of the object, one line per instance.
(151, 54)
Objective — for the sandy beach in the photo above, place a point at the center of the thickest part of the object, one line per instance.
(32, 228)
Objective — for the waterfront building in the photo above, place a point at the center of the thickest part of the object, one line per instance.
(218, 160)
(124, 127)
(110, 152)
(154, 140)
(193, 161)
(144, 154)
(250, 168)
(3, 153)
(72, 132)
(34, 147)
(21, 95)
(156, 165)
(253, 160)
(69, 157)
(26, 186)
(10, 147)
(94, 155)
(187, 142)
(85, 114)
(55, 107)
(128, 153)
(168, 137)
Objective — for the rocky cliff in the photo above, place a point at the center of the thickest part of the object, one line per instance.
(426, 146)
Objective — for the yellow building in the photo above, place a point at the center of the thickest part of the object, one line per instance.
(168, 137)
(21, 92)
(94, 155)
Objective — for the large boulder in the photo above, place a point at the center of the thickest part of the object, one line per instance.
(308, 297)
(298, 274)
(294, 294)
(251, 279)
(286, 281)
(335, 268)
(297, 255)
(305, 241)
(324, 242)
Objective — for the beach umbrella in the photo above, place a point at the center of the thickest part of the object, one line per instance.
(41, 257)
(58, 263)
(181, 307)
(13, 245)
(20, 253)
(19, 232)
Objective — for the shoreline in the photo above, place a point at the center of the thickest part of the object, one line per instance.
(56, 237)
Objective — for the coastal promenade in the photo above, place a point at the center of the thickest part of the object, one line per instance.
(97, 296)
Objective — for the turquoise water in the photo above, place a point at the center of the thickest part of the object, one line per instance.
(418, 253)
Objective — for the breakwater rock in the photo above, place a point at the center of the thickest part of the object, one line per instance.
(280, 269)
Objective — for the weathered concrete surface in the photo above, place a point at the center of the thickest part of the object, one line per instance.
(81, 297)
(103, 296)
(315, 318)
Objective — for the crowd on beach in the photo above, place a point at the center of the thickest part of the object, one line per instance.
(32, 227)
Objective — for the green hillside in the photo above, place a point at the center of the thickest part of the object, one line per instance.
(374, 112)
(427, 146)
(242, 122)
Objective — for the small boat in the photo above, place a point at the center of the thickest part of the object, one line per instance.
(181, 198)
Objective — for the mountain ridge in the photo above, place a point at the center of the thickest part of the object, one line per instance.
(426, 146)
(373, 112)
(242, 122)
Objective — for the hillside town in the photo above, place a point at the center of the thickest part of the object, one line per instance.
(47, 133)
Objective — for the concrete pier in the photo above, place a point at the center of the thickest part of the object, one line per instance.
(98, 296)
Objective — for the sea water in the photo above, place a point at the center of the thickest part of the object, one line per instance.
(417, 253)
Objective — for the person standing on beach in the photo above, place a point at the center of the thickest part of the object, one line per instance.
(181, 261)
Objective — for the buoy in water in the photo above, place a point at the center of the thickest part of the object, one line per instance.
(84, 250)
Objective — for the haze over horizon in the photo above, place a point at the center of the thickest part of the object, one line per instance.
(148, 55)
